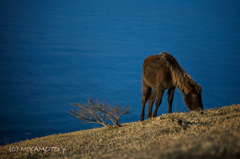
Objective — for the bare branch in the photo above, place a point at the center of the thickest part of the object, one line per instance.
(101, 113)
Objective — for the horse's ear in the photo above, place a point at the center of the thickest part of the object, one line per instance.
(192, 85)
(198, 88)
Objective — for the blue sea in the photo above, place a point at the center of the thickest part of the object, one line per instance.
(54, 53)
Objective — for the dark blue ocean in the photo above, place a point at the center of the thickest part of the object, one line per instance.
(53, 53)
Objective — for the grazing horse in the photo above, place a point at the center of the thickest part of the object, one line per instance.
(161, 72)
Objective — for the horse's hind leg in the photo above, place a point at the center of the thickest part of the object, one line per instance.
(146, 92)
(170, 99)
(151, 101)
(158, 102)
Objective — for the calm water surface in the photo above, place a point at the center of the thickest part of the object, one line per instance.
(53, 53)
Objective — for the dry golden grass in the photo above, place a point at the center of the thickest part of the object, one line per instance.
(213, 134)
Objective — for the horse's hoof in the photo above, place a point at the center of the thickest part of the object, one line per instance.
(149, 116)
(154, 115)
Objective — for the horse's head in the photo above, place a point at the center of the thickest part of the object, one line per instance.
(193, 100)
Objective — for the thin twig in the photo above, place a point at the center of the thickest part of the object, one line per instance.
(101, 113)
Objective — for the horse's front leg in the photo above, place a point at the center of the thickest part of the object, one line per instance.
(151, 101)
(160, 92)
(170, 99)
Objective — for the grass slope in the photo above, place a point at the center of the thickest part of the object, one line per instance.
(213, 134)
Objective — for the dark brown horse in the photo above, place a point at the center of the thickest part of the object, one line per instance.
(161, 72)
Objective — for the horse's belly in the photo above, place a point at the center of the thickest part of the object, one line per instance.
(155, 79)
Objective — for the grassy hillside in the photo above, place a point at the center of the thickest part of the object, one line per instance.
(215, 133)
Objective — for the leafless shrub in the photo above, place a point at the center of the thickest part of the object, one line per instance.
(101, 113)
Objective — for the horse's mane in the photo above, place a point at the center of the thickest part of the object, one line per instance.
(181, 79)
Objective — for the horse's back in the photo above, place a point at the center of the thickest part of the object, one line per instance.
(158, 61)
(155, 70)
(152, 61)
